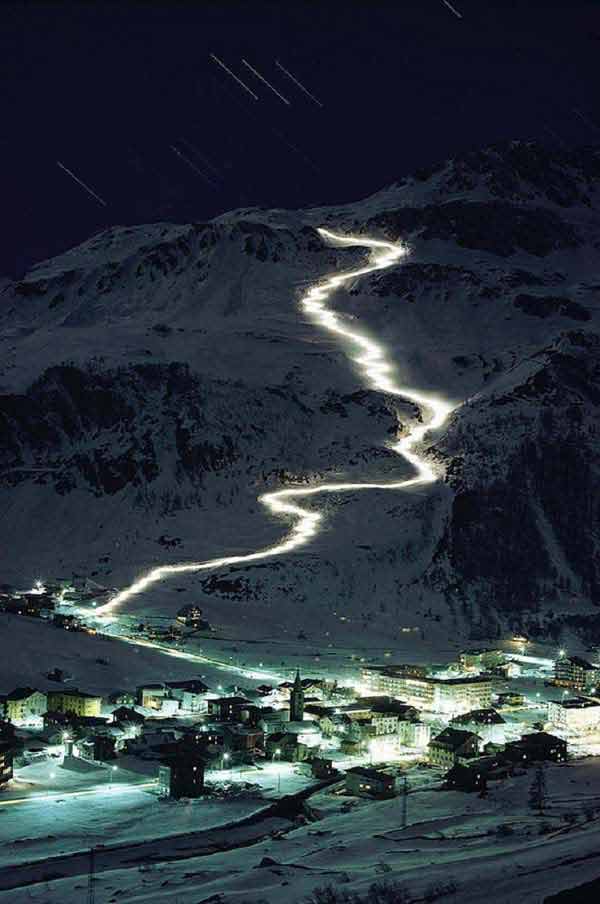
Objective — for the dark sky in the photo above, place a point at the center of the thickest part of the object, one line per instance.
(107, 88)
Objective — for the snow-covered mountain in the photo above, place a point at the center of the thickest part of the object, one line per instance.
(156, 380)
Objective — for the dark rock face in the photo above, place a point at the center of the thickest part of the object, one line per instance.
(496, 227)
(532, 532)
(546, 305)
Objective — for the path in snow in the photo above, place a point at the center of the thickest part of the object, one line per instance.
(372, 361)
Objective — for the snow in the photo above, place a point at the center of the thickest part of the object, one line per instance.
(459, 837)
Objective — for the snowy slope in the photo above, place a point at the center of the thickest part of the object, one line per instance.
(164, 378)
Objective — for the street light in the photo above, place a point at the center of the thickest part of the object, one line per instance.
(110, 772)
(225, 760)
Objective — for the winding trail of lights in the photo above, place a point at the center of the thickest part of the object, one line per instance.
(372, 361)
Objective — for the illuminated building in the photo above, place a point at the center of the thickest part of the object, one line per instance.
(480, 660)
(6, 762)
(370, 782)
(74, 701)
(572, 671)
(383, 679)
(23, 704)
(577, 714)
(452, 746)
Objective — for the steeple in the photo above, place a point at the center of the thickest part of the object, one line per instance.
(297, 700)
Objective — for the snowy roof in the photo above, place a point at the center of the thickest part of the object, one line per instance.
(453, 738)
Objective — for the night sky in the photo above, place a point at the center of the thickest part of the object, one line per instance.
(109, 88)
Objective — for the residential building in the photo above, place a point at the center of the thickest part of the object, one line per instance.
(229, 709)
(475, 774)
(366, 782)
(99, 748)
(386, 717)
(383, 679)
(74, 701)
(191, 694)
(578, 673)
(243, 739)
(452, 746)
(537, 746)
(23, 704)
(6, 762)
(283, 745)
(297, 700)
(576, 714)
(323, 768)
(414, 734)
(512, 698)
(151, 696)
(487, 723)
(449, 696)
(182, 775)
(480, 660)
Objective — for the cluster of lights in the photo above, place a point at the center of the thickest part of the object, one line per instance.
(371, 358)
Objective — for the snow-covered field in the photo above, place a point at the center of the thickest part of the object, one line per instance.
(473, 848)
(78, 807)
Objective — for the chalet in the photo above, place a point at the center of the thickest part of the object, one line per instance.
(323, 768)
(126, 716)
(23, 704)
(536, 747)
(191, 694)
(229, 709)
(366, 782)
(487, 723)
(452, 746)
(151, 696)
(243, 739)
(285, 746)
(475, 774)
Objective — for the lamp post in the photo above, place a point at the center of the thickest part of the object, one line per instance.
(226, 760)
(111, 771)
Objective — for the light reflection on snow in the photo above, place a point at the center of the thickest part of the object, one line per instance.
(372, 360)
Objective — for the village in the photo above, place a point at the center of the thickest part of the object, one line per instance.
(470, 722)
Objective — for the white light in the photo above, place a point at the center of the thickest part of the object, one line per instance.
(225, 756)
(371, 357)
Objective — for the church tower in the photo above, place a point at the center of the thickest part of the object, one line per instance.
(297, 700)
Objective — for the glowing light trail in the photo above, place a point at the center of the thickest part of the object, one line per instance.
(79, 181)
(372, 361)
(233, 75)
(263, 79)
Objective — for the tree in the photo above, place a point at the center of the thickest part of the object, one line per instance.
(537, 791)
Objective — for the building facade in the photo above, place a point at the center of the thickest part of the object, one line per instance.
(74, 701)
(577, 714)
(24, 703)
(581, 675)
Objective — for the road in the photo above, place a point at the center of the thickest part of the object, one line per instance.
(373, 362)
(103, 789)
(272, 818)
